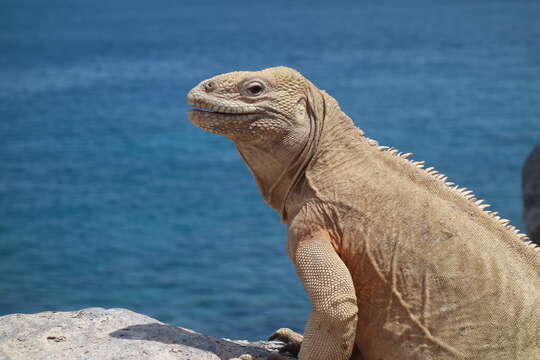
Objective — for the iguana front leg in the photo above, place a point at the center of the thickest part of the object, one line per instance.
(331, 328)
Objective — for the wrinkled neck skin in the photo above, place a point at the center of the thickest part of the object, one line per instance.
(278, 166)
(271, 167)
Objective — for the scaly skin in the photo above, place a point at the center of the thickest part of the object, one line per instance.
(397, 262)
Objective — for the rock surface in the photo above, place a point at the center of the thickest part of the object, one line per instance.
(108, 334)
(531, 194)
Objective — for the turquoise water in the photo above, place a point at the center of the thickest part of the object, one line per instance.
(109, 197)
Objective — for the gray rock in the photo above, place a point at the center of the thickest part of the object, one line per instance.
(119, 334)
(531, 194)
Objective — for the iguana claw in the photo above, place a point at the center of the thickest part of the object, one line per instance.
(292, 340)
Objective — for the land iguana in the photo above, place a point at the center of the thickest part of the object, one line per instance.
(398, 262)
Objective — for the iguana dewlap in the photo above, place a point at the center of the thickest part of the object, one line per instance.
(398, 263)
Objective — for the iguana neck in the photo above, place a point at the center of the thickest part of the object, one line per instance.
(278, 169)
(270, 168)
(340, 144)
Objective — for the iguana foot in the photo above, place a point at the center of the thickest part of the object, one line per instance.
(292, 340)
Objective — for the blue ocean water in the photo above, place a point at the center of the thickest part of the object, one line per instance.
(110, 197)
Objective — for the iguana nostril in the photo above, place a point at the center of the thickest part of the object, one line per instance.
(209, 86)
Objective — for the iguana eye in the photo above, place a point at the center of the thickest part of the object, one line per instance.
(254, 88)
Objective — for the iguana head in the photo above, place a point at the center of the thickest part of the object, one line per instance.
(245, 106)
(276, 119)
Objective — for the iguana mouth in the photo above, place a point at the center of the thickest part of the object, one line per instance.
(220, 113)
(228, 119)
(208, 107)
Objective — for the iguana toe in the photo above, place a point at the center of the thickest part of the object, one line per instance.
(286, 335)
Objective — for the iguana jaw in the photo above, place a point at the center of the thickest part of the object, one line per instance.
(221, 116)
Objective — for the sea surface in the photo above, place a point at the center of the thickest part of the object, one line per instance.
(110, 197)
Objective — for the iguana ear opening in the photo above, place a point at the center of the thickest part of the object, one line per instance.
(316, 112)
(316, 109)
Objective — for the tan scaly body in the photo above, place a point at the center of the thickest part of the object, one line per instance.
(398, 263)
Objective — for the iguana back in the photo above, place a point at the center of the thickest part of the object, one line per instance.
(435, 275)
